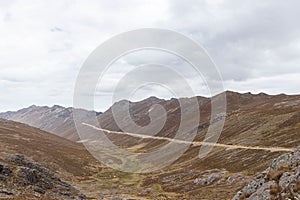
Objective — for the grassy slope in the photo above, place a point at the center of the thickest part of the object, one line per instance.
(251, 120)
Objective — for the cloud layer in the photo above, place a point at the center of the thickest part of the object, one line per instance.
(255, 44)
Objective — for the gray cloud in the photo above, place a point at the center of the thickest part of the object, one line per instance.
(245, 38)
(255, 44)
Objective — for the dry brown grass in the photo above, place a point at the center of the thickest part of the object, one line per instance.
(275, 191)
(252, 121)
(244, 196)
(277, 173)
(59, 155)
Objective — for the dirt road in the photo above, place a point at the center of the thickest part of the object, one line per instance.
(272, 149)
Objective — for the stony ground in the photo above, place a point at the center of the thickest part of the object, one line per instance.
(279, 181)
(24, 179)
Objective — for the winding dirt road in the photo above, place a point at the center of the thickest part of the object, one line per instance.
(272, 149)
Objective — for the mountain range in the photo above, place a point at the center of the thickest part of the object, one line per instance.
(56, 119)
(258, 128)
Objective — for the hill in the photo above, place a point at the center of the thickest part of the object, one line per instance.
(31, 158)
(58, 154)
(258, 128)
(56, 119)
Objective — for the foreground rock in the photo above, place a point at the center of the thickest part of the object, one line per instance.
(280, 181)
(23, 179)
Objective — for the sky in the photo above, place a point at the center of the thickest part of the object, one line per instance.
(43, 44)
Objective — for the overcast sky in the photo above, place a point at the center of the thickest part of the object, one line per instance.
(43, 44)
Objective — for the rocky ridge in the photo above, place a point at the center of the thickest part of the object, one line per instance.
(281, 180)
(56, 119)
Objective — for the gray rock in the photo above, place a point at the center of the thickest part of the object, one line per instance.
(6, 191)
(39, 190)
(29, 176)
(209, 179)
(237, 177)
(5, 170)
(280, 181)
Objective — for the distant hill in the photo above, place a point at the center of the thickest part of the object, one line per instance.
(56, 119)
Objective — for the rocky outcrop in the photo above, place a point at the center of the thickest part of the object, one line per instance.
(217, 176)
(24, 179)
(210, 178)
(280, 181)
